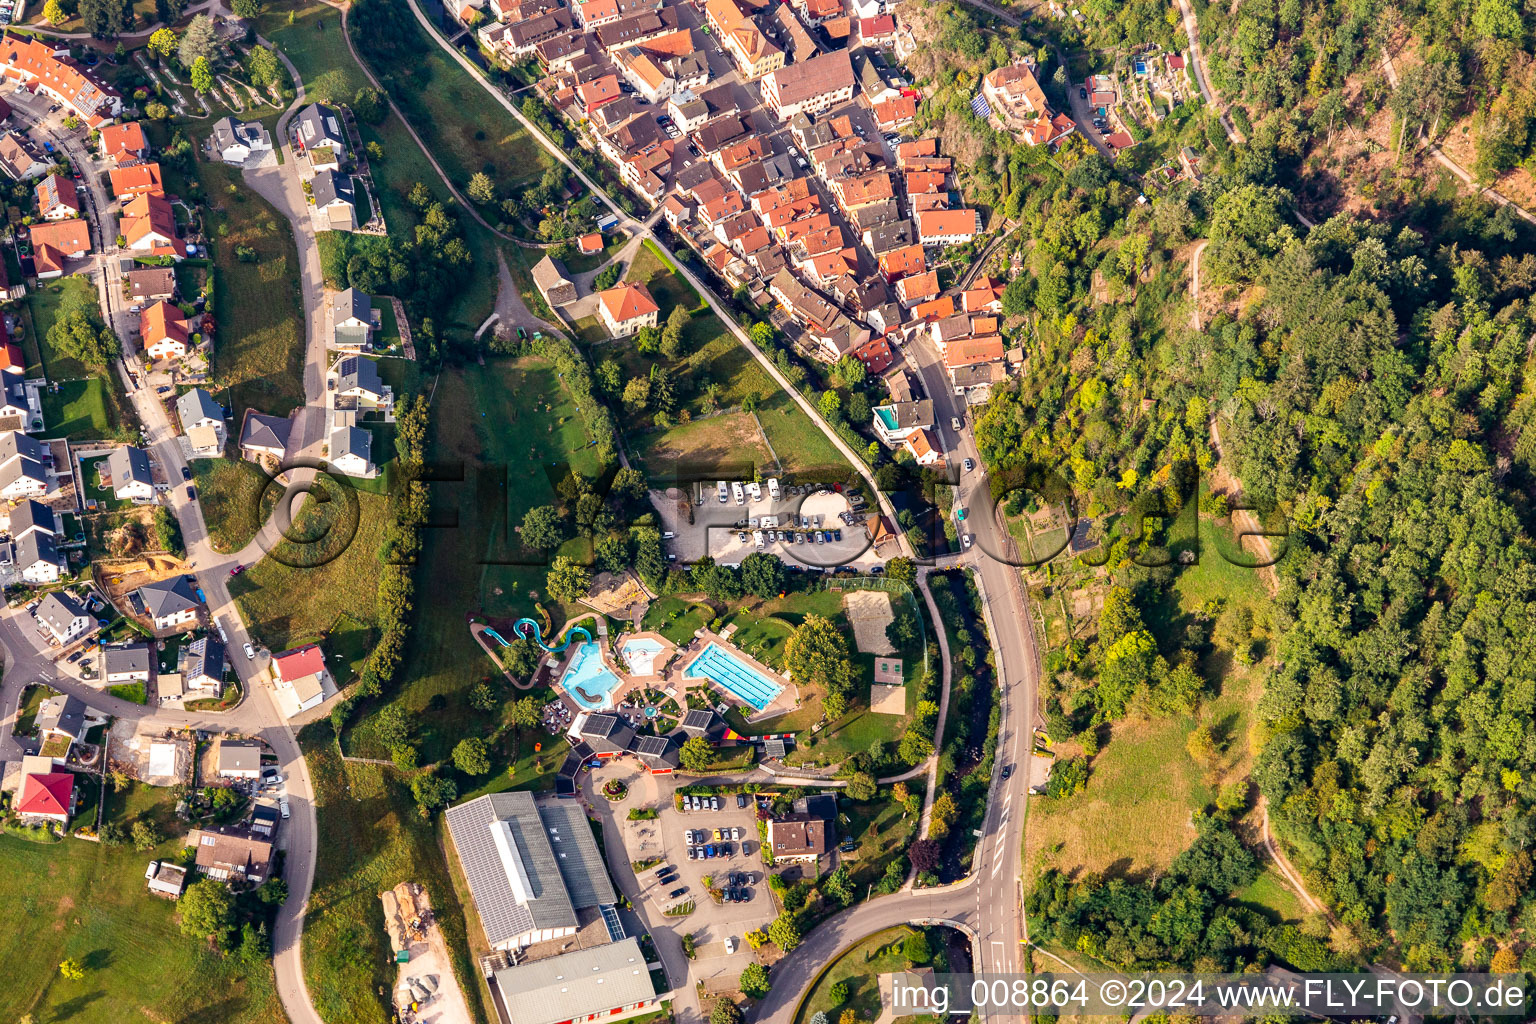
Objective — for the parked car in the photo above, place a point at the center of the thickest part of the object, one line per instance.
(969, 464)
(1083, 93)
(714, 803)
(238, 569)
(681, 890)
(730, 940)
(967, 542)
(191, 493)
(250, 652)
(709, 851)
(186, 473)
(282, 807)
(741, 800)
(719, 835)
(74, 657)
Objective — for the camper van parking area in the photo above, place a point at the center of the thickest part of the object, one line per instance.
(809, 528)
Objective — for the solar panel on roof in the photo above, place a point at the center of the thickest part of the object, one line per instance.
(980, 107)
(614, 925)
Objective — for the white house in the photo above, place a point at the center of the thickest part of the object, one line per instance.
(60, 616)
(169, 603)
(23, 466)
(235, 142)
(239, 759)
(37, 558)
(627, 308)
(303, 671)
(126, 663)
(351, 451)
(131, 477)
(202, 421)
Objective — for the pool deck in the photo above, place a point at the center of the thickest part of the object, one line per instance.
(787, 699)
(658, 664)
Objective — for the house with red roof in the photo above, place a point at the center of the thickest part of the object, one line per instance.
(136, 180)
(124, 144)
(49, 69)
(302, 670)
(46, 797)
(148, 227)
(164, 332)
(626, 308)
(57, 198)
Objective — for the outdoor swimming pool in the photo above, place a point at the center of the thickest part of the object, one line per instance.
(640, 655)
(589, 682)
(724, 669)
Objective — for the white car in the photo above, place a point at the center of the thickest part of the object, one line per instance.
(970, 464)
(967, 541)
(730, 943)
(250, 652)
(282, 808)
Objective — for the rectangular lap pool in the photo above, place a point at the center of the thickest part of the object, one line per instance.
(589, 682)
(725, 670)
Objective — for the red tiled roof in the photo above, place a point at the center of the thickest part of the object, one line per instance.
(627, 301)
(119, 140)
(67, 236)
(161, 322)
(46, 794)
(34, 60)
(592, 242)
(969, 351)
(136, 179)
(11, 358)
(300, 662)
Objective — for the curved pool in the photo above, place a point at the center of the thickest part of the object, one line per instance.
(589, 682)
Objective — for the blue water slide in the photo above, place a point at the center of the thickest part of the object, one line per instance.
(529, 630)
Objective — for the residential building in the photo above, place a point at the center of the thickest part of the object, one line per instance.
(357, 379)
(201, 666)
(131, 477)
(352, 319)
(136, 180)
(738, 32)
(801, 45)
(947, 227)
(148, 227)
(70, 238)
(61, 716)
(30, 517)
(898, 421)
(239, 759)
(236, 142)
(321, 137)
(350, 451)
(150, 284)
(19, 158)
(57, 198)
(164, 332)
(810, 86)
(62, 617)
(637, 28)
(526, 892)
(626, 308)
(232, 853)
(264, 435)
(1014, 95)
(47, 797)
(614, 985)
(553, 282)
(596, 13)
(169, 603)
(36, 557)
(264, 819)
(202, 420)
(597, 92)
(335, 199)
(877, 32)
(303, 671)
(895, 112)
(50, 70)
(24, 463)
(125, 663)
(124, 143)
(799, 837)
(923, 448)
(917, 288)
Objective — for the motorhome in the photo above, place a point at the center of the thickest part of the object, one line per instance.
(739, 493)
(755, 490)
(725, 492)
(773, 488)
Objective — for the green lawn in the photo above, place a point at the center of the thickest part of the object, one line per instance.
(90, 472)
(81, 900)
(476, 565)
(465, 127)
(798, 440)
(676, 618)
(665, 284)
(314, 42)
(580, 262)
(371, 839)
(231, 491)
(258, 349)
(328, 565)
(48, 302)
(134, 693)
(80, 410)
(859, 967)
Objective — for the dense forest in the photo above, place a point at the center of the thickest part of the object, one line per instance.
(1369, 379)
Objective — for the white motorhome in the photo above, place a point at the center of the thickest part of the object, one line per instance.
(755, 490)
(739, 494)
(773, 488)
(725, 492)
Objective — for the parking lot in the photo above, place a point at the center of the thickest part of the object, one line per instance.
(676, 879)
(816, 531)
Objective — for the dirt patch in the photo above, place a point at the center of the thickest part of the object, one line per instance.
(426, 979)
(887, 700)
(869, 612)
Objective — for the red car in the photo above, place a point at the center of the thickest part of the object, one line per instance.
(237, 570)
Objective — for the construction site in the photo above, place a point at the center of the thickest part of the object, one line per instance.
(425, 989)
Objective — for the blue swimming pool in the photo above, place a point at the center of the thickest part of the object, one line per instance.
(724, 669)
(589, 682)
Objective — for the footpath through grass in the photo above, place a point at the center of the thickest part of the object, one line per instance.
(859, 968)
(371, 839)
(77, 899)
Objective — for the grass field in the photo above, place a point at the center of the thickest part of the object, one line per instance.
(231, 493)
(474, 563)
(859, 967)
(676, 618)
(328, 566)
(48, 302)
(660, 277)
(371, 838)
(315, 44)
(258, 350)
(83, 900)
(466, 129)
(80, 410)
